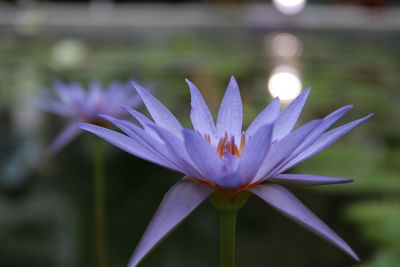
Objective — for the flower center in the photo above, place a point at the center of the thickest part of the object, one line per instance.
(227, 145)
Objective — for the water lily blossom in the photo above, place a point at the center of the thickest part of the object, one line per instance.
(72, 101)
(77, 105)
(221, 157)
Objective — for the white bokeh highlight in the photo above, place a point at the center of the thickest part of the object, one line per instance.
(286, 45)
(289, 7)
(284, 83)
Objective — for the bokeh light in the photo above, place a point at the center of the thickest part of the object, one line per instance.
(68, 54)
(289, 7)
(284, 83)
(286, 45)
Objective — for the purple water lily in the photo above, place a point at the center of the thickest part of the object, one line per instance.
(221, 157)
(72, 101)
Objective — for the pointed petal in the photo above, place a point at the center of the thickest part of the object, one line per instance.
(326, 123)
(200, 114)
(153, 146)
(178, 203)
(230, 114)
(202, 155)
(61, 89)
(286, 203)
(255, 152)
(128, 144)
(267, 116)
(176, 147)
(67, 134)
(324, 141)
(143, 120)
(52, 106)
(280, 151)
(161, 115)
(307, 179)
(288, 118)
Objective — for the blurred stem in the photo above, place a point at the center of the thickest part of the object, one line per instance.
(227, 206)
(99, 203)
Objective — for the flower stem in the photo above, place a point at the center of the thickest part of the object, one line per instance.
(227, 237)
(99, 203)
(228, 206)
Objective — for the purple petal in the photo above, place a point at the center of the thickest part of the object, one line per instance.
(324, 141)
(200, 114)
(158, 149)
(129, 145)
(52, 106)
(69, 93)
(176, 148)
(62, 91)
(202, 154)
(67, 134)
(286, 203)
(94, 92)
(230, 114)
(288, 118)
(232, 180)
(144, 121)
(161, 115)
(255, 152)
(267, 116)
(280, 151)
(326, 123)
(307, 179)
(178, 203)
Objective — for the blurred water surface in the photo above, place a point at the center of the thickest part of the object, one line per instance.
(46, 202)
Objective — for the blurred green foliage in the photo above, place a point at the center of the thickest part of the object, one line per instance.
(379, 221)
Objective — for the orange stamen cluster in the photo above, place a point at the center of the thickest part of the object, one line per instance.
(227, 144)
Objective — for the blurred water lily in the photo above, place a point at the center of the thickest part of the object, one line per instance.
(222, 157)
(72, 101)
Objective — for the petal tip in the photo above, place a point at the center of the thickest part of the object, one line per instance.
(83, 125)
(137, 87)
(107, 117)
(88, 127)
(353, 255)
(347, 107)
(233, 80)
(125, 107)
(366, 118)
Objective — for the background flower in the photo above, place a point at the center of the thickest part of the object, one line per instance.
(72, 101)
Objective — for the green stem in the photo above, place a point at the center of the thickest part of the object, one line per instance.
(227, 206)
(99, 203)
(227, 237)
